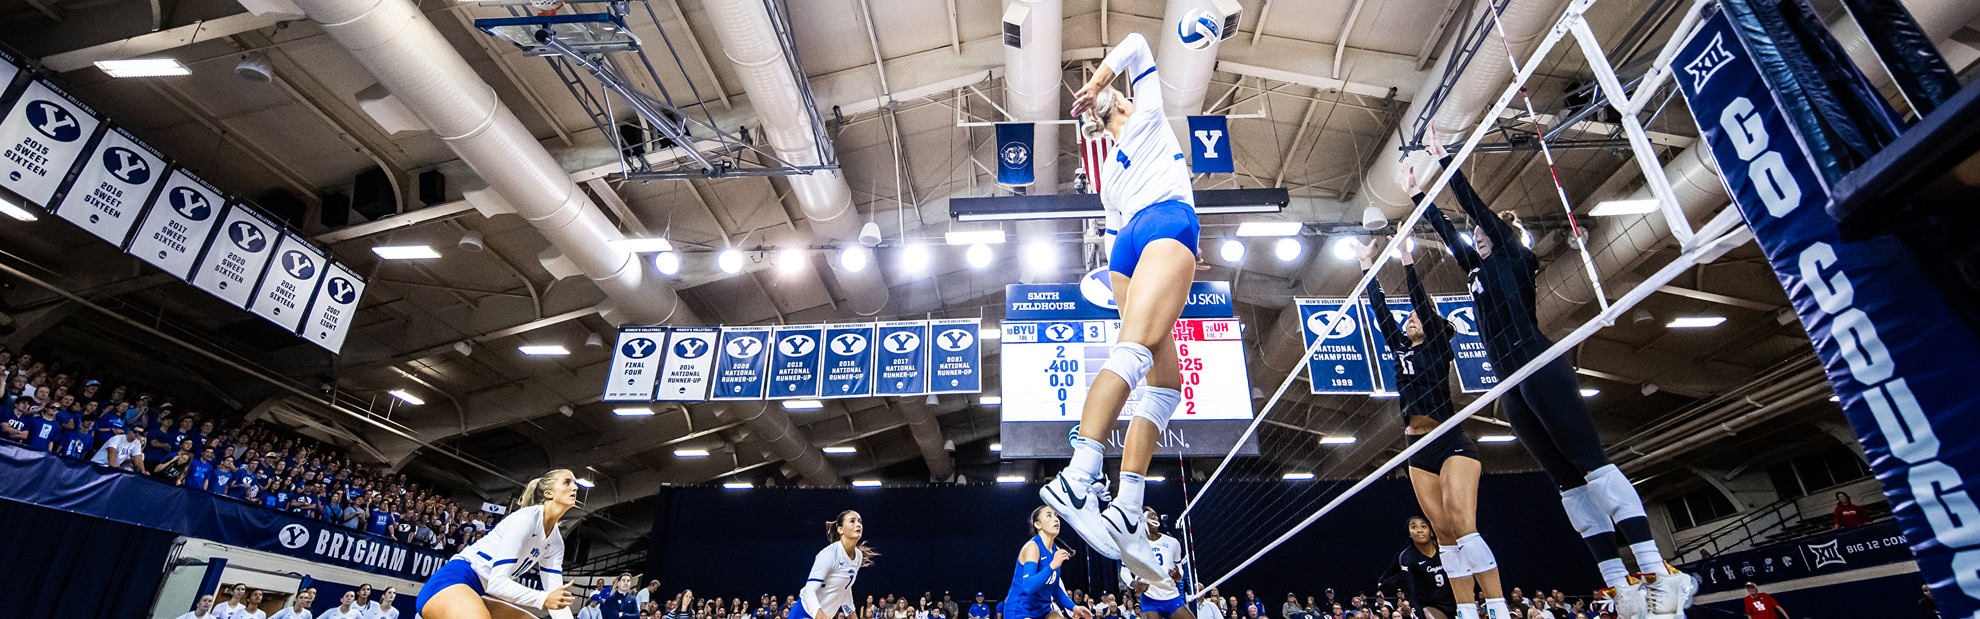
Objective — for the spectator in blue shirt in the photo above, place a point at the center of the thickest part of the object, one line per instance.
(979, 610)
(108, 425)
(223, 476)
(44, 430)
(381, 521)
(15, 427)
(78, 443)
(247, 480)
(199, 472)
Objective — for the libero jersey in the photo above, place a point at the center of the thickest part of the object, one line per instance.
(1147, 166)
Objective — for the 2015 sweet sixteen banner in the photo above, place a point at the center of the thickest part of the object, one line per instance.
(873, 359)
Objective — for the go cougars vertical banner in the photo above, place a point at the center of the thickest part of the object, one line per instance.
(112, 187)
(336, 301)
(690, 359)
(635, 364)
(1342, 364)
(1899, 359)
(174, 230)
(43, 135)
(235, 258)
(848, 361)
(289, 283)
(903, 358)
(794, 362)
(740, 362)
(1474, 372)
(957, 358)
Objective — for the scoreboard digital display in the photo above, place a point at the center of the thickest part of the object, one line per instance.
(1056, 337)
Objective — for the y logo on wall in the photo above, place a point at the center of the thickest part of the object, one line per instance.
(684, 376)
(902, 359)
(636, 364)
(794, 368)
(231, 268)
(330, 316)
(289, 283)
(957, 360)
(175, 230)
(43, 136)
(293, 536)
(111, 188)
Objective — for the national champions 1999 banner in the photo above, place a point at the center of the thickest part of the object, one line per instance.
(1896, 355)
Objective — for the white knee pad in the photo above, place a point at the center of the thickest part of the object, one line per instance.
(1477, 554)
(1455, 565)
(1613, 492)
(1589, 518)
(1131, 362)
(1157, 405)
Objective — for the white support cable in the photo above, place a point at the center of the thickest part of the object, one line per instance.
(1677, 267)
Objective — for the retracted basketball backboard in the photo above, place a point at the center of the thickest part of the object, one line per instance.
(584, 32)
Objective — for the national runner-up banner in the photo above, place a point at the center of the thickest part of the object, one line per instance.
(43, 135)
(690, 361)
(1209, 145)
(111, 189)
(956, 360)
(237, 255)
(794, 362)
(1342, 364)
(742, 356)
(175, 228)
(1474, 371)
(635, 364)
(848, 361)
(1014, 154)
(1898, 357)
(289, 283)
(336, 302)
(903, 358)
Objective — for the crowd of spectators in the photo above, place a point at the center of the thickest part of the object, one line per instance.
(49, 406)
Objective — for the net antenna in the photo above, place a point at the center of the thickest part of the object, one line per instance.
(1722, 233)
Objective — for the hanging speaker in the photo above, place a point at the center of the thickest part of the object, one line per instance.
(335, 211)
(371, 195)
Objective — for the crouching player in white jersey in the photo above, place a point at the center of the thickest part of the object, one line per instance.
(1161, 601)
(828, 591)
(480, 582)
(1151, 210)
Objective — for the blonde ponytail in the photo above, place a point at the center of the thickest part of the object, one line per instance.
(533, 492)
(1093, 122)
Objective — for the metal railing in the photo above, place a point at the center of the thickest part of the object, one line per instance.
(1741, 532)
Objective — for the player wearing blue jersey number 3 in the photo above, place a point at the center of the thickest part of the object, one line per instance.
(1151, 212)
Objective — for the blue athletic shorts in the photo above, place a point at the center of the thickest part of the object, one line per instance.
(1162, 608)
(455, 572)
(1021, 609)
(1173, 219)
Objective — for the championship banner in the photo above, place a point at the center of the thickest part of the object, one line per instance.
(289, 283)
(1014, 142)
(1897, 356)
(1342, 365)
(8, 70)
(43, 135)
(336, 301)
(848, 361)
(112, 187)
(635, 364)
(957, 358)
(903, 358)
(237, 255)
(794, 362)
(739, 364)
(1474, 372)
(690, 360)
(1209, 151)
(175, 228)
(1385, 357)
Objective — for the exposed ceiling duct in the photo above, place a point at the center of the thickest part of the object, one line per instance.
(393, 39)
(1033, 72)
(1185, 72)
(768, 422)
(927, 431)
(764, 71)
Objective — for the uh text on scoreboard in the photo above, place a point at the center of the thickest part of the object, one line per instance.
(1057, 336)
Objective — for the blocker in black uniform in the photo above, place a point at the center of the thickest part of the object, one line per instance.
(1419, 571)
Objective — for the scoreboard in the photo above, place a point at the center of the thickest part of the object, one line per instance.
(1057, 336)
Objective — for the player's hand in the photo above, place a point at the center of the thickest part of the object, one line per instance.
(1060, 557)
(1402, 248)
(1175, 573)
(559, 598)
(1434, 144)
(1200, 266)
(1138, 586)
(1080, 612)
(1083, 99)
(1366, 252)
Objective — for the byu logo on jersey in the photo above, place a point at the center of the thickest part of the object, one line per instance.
(745, 346)
(293, 536)
(1708, 63)
(298, 265)
(690, 348)
(849, 343)
(639, 348)
(191, 203)
(955, 340)
(1198, 29)
(342, 291)
(1464, 321)
(903, 342)
(53, 121)
(797, 345)
(1317, 323)
(248, 237)
(126, 165)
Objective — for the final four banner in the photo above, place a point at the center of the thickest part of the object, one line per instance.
(43, 135)
(1209, 146)
(1896, 354)
(903, 358)
(739, 364)
(289, 283)
(957, 358)
(690, 359)
(237, 255)
(794, 362)
(1474, 371)
(848, 361)
(175, 228)
(1342, 364)
(1014, 166)
(112, 187)
(330, 314)
(636, 364)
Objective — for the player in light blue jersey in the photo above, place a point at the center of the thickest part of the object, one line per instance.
(1151, 213)
(1036, 592)
(1161, 601)
(480, 582)
(828, 590)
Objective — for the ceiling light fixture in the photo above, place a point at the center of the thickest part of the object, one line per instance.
(1344, 248)
(914, 258)
(15, 211)
(1496, 438)
(978, 256)
(1695, 322)
(989, 333)
(690, 453)
(991, 400)
(667, 262)
(855, 258)
(866, 483)
(1336, 440)
(407, 397)
(997, 448)
(1612, 208)
(790, 261)
(1154, 479)
(1589, 393)
(730, 260)
(1010, 479)
(641, 246)
(584, 483)
(1287, 249)
(975, 237)
(633, 411)
(1231, 251)
(1297, 476)
(543, 350)
(738, 485)
(840, 449)
(143, 67)
(1270, 228)
(405, 252)
(1041, 256)
(803, 405)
